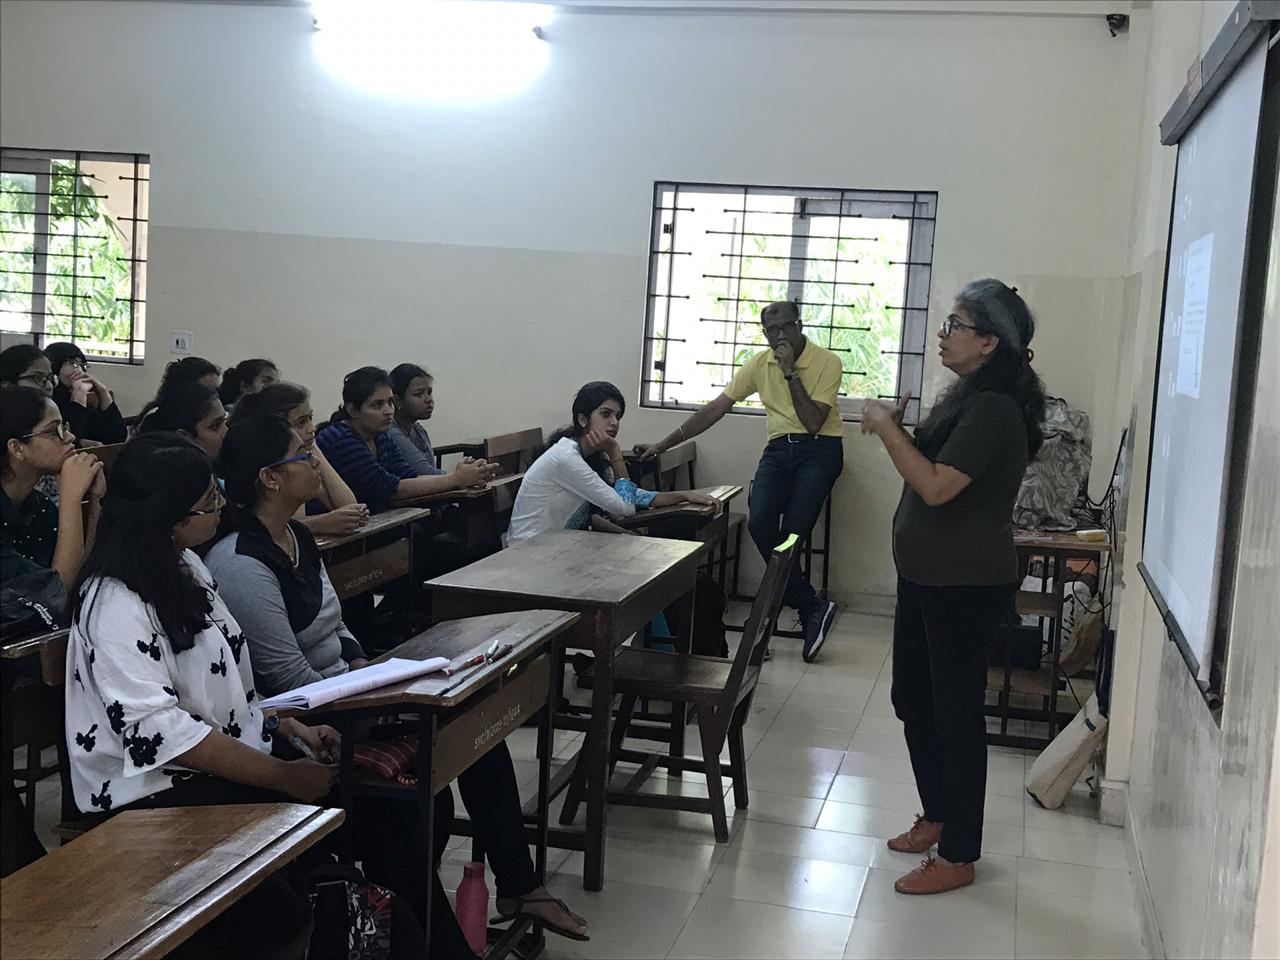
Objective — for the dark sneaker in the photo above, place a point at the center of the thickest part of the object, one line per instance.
(817, 619)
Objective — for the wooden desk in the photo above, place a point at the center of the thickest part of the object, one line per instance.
(377, 523)
(146, 880)
(683, 454)
(688, 521)
(51, 647)
(461, 718)
(618, 584)
(477, 518)
(1057, 548)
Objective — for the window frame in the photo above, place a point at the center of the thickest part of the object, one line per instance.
(21, 161)
(913, 303)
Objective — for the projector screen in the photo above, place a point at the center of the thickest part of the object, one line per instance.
(1194, 388)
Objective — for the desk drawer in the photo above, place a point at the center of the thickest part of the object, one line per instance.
(371, 570)
(477, 730)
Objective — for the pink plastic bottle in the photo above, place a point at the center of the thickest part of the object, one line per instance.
(472, 907)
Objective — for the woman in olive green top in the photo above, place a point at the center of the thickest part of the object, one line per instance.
(953, 546)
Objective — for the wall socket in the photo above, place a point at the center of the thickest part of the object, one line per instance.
(181, 341)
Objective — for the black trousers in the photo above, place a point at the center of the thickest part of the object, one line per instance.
(792, 482)
(384, 831)
(942, 642)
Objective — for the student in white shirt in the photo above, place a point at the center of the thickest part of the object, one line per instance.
(161, 707)
(582, 468)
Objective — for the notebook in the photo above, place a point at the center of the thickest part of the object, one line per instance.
(356, 681)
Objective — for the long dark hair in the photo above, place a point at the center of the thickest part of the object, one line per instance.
(154, 483)
(997, 310)
(586, 401)
(181, 407)
(279, 398)
(252, 443)
(357, 387)
(21, 408)
(186, 370)
(15, 360)
(236, 378)
(404, 374)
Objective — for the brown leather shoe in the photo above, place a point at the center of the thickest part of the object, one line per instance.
(934, 876)
(922, 835)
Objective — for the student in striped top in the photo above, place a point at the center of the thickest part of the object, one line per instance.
(357, 442)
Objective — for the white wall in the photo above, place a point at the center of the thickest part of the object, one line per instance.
(1197, 793)
(504, 245)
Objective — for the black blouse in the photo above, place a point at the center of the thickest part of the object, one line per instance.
(90, 423)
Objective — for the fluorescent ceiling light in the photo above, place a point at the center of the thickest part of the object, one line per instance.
(440, 50)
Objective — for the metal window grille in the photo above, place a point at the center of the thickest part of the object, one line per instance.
(857, 263)
(73, 249)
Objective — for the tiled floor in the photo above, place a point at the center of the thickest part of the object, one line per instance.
(806, 872)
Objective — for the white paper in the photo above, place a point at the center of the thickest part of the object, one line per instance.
(368, 678)
(1195, 308)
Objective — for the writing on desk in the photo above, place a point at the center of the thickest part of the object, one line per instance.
(363, 579)
(498, 726)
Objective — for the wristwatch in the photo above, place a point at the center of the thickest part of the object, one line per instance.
(792, 375)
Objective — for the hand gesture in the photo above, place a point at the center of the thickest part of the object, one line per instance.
(324, 741)
(597, 440)
(900, 408)
(80, 385)
(876, 415)
(471, 473)
(309, 781)
(647, 451)
(78, 474)
(785, 354)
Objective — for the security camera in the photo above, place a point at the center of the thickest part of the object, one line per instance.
(1118, 23)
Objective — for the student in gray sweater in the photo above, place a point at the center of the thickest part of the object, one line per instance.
(269, 574)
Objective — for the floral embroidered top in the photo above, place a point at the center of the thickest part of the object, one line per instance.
(133, 705)
(559, 490)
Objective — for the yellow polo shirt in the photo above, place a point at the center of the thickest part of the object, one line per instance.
(820, 371)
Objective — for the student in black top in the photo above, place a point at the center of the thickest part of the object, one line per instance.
(35, 536)
(192, 410)
(86, 403)
(186, 370)
(247, 376)
(957, 567)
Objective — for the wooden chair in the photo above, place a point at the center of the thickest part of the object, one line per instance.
(663, 469)
(515, 452)
(720, 690)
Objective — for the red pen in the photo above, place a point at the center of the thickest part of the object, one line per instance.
(475, 661)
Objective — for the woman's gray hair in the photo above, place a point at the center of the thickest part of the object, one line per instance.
(997, 309)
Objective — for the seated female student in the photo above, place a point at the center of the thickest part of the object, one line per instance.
(35, 536)
(357, 443)
(192, 410)
(247, 376)
(269, 573)
(292, 401)
(161, 705)
(582, 468)
(25, 365)
(411, 393)
(85, 401)
(186, 370)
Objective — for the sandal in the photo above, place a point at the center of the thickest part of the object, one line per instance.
(522, 914)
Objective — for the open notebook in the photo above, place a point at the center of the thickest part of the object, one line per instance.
(356, 681)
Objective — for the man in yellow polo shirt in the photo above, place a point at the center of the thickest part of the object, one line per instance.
(797, 381)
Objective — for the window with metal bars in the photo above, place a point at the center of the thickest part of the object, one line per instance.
(73, 249)
(857, 263)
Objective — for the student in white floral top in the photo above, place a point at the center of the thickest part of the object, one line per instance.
(161, 706)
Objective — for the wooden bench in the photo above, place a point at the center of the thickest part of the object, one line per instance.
(146, 880)
(662, 470)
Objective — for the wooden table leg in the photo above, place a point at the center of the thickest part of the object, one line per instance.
(679, 709)
(424, 838)
(595, 752)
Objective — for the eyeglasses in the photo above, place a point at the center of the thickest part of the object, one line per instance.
(219, 501)
(61, 429)
(950, 324)
(39, 379)
(307, 455)
(79, 365)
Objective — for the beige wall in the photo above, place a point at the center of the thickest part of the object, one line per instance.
(1198, 793)
(503, 244)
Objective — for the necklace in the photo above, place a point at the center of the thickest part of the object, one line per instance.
(291, 551)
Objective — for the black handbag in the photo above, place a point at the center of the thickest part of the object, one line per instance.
(32, 603)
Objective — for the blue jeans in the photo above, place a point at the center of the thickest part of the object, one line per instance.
(793, 480)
